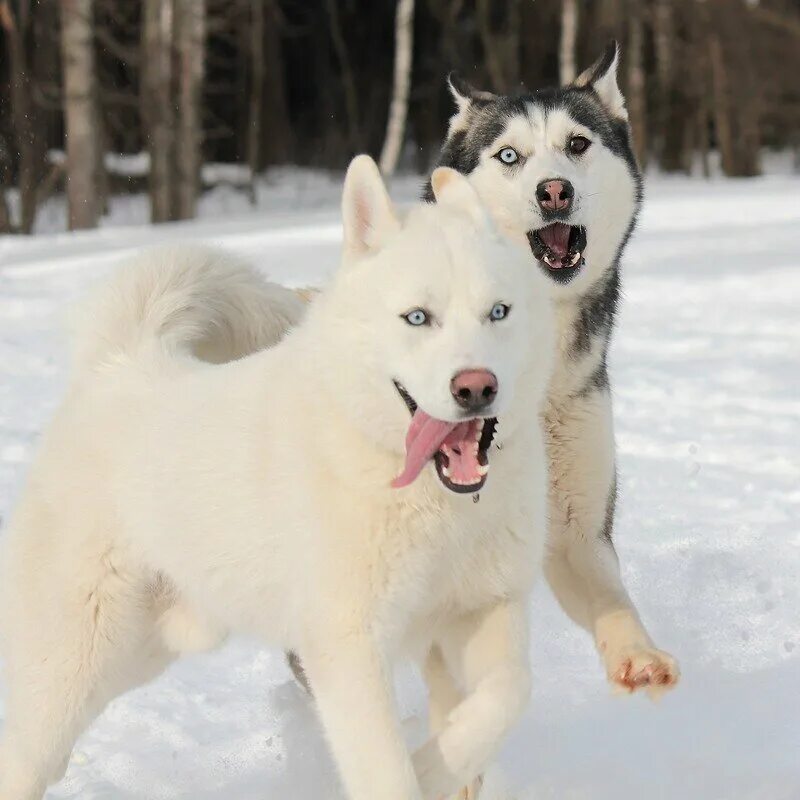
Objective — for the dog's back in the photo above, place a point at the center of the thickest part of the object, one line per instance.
(191, 299)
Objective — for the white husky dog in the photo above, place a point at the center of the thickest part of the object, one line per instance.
(174, 500)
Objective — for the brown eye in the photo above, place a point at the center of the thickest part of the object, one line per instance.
(578, 145)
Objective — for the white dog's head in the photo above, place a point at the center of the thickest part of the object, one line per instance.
(433, 320)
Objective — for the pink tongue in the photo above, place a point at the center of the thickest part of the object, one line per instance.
(556, 237)
(425, 436)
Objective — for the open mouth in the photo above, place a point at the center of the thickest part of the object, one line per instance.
(558, 248)
(459, 450)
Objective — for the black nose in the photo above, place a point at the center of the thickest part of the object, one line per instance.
(474, 389)
(555, 194)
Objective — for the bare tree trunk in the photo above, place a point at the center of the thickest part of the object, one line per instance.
(702, 134)
(398, 110)
(569, 34)
(157, 105)
(101, 172)
(446, 13)
(500, 48)
(276, 142)
(77, 52)
(190, 26)
(30, 148)
(636, 80)
(256, 92)
(348, 76)
(6, 224)
(608, 18)
(722, 116)
(5, 216)
(750, 103)
(490, 54)
(663, 37)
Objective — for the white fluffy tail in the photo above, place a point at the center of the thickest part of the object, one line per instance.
(184, 300)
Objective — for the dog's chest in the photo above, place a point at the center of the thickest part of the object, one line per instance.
(482, 552)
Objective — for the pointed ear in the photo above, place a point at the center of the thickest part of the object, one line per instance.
(602, 77)
(452, 188)
(465, 95)
(367, 212)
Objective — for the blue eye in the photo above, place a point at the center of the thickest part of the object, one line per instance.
(417, 317)
(508, 155)
(499, 311)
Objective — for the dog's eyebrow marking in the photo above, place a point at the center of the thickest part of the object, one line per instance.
(536, 116)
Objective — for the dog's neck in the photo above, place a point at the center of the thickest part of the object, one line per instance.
(584, 324)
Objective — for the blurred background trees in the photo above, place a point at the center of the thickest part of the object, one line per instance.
(106, 96)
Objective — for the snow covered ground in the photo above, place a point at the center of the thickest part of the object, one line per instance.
(706, 369)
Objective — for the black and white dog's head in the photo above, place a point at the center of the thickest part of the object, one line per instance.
(554, 165)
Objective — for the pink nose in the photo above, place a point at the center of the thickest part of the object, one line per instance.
(555, 194)
(474, 389)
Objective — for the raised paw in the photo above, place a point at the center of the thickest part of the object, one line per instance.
(643, 668)
(470, 792)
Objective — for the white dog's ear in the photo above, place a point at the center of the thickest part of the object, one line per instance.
(602, 78)
(452, 188)
(367, 212)
(465, 95)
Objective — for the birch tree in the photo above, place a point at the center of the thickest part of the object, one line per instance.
(636, 79)
(398, 110)
(190, 41)
(157, 106)
(569, 34)
(80, 113)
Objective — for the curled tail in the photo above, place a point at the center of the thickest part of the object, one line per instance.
(184, 300)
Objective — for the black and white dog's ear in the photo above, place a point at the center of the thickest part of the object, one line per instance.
(465, 95)
(602, 77)
(368, 215)
(461, 90)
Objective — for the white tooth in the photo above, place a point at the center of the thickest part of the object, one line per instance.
(483, 469)
(446, 472)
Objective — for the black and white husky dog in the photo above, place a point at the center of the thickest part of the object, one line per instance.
(556, 166)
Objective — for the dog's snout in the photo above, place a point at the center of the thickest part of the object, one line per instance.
(555, 194)
(474, 389)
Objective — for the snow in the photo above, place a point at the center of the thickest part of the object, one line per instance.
(706, 367)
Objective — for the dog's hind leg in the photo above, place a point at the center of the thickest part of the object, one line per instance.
(93, 637)
(486, 653)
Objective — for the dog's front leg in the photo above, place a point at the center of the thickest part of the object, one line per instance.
(582, 566)
(355, 702)
(483, 657)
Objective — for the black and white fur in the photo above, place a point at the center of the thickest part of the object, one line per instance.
(539, 126)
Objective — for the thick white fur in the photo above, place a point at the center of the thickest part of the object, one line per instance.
(174, 500)
(582, 567)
